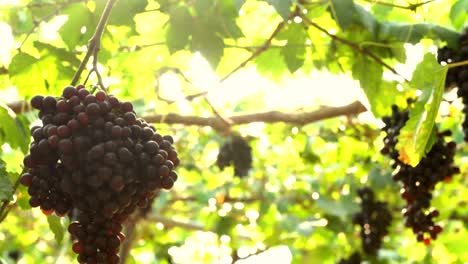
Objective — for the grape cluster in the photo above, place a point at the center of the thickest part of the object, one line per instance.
(94, 158)
(458, 76)
(355, 258)
(393, 125)
(235, 152)
(419, 182)
(374, 219)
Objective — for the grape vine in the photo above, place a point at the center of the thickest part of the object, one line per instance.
(238, 153)
(419, 182)
(93, 158)
(374, 220)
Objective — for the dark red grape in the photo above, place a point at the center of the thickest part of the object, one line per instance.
(36, 102)
(101, 96)
(69, 91)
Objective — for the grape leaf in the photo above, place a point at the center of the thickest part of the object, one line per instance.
(367, 19)
(125, 10)
(380, 93)
(20, 63)
(179, 30)
(6, 187)
(294, 51)
(340, 208)
(204, 6)
(413, 33)
(459, 13)
(343, 12)
(79, 16)
(56, 227)
(209, 44)
(61, 53)
(283, 7)
(239, 4)
(13, 131)
(271, 64)
(415, 137)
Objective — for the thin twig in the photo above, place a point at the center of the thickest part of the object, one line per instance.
(160, 72)
(94, 44)
(227, 122)
(137, 48)
(411, 7)
(140, 47)
(257, 52)
(353, 45)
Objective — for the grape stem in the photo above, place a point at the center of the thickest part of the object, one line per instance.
(94, 46)
(458, 64)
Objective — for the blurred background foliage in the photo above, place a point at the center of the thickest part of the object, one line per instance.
(219, 58)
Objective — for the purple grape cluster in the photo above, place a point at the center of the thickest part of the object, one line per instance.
(419, 182)
(95, 157)
(374, 220)
(458, 76)
(238, 153)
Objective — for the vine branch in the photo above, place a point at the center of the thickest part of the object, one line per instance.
(94, 45)
(296, 118)
(301, 118)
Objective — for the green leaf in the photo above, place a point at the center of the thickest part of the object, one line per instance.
(13, 131)
(79, 16)
(21, 62)
(367, 20)
(340, 208)
(56, 227)
(210, 45)
(180, 28)
(239, 4)
(203, 6)
(225, 225)
(283, 7)
(316, 11)
(343, 12)
(381, 94)
(226, 15)
(271, 63)
(35, 76)
(61, 53)
(123, 13)
(415, 136)
(413, 33)
(6, 187)
(459, 13)
(294, 51)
